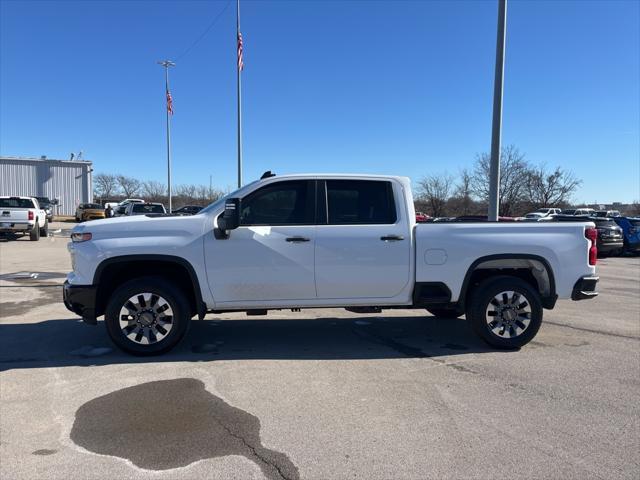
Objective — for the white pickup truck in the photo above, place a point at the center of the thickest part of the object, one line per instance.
(312, 241)
(23, 215)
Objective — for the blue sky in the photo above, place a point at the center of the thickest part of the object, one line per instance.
(347, 86)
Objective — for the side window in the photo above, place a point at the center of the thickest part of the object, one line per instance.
(357, 202)
(282, 203)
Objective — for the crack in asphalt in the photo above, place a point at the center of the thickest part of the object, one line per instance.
(600, 332)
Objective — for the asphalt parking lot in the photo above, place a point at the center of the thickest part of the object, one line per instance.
(322, 394)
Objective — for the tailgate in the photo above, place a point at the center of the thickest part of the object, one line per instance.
(14, 214)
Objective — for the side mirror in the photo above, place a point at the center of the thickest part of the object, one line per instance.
(55, 201)
(229, 219)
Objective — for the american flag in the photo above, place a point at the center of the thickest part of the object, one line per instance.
(169, 103)
(240, 61)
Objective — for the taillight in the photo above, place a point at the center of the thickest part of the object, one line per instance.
(30, 214)
(592, 234)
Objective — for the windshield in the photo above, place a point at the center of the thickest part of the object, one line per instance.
(236, 193)
(94, 206)
(16, 203)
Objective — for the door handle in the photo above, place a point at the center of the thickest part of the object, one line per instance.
(297, 239)
(392, 238)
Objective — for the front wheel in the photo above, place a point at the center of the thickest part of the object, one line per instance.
(44, 231)
(147, 316)
(506, 312)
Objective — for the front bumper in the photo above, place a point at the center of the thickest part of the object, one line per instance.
(81, 300)
(585, 288)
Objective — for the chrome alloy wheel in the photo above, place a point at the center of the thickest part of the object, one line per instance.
(146, 318)
(508, 314)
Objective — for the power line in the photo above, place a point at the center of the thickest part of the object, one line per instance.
(209, 27)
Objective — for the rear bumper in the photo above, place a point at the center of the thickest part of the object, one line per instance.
(585, 288)
(15, 226)
(81, 300)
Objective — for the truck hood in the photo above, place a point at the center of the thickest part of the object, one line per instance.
(143, 226)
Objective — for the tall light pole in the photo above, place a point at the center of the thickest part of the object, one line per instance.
(239, 87)
(496, 129)
(166, 64)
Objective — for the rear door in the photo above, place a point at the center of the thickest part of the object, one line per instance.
(270, 255)
(362, 243)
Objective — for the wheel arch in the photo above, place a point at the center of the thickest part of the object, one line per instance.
(540, 274)
(112, 271)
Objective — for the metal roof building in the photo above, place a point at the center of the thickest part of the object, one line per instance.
(69, 181)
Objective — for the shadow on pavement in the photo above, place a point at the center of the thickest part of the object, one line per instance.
(69, 342)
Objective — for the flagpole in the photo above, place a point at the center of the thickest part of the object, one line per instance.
(239, 80)
(166, 64)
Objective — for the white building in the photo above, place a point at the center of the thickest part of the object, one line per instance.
(68, 181)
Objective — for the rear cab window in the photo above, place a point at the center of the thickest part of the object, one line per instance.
(145, 208)
(360, 202)
(16, 203)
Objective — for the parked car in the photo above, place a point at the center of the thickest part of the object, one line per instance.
(311, 241)
(89, 211)
(47, 206)
(631, 233)
(187, 210)
(23, 215)
(610, 240)
(422, 217)
(121, 209)
(533, 217)
(607, 213)
(481, 218)
(578, 211)
(548, 211)
(137, 208)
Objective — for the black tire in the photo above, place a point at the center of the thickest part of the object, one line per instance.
(44, 231)
(169, 293)
(444, 312)
(34, 234)
(502, 332)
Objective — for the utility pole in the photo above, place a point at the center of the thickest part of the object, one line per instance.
(496, 129)
(239, 85)
(166, 64)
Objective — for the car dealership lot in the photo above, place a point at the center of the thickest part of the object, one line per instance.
(317, 394)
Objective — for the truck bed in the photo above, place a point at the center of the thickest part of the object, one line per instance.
(445, 252)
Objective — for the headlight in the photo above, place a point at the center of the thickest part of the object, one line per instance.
(80, 237)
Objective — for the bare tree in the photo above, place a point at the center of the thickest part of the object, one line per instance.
(462, 197)
(514, 177)
(550, 189)
(105, 185)
(154, 191)
(130, 186)
(434, 190)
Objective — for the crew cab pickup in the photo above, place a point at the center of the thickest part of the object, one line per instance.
(312, 241)
(23, 215)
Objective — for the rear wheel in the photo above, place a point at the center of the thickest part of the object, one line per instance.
(444, 312)
(506, 312)
(44, 231)
(147, 316)
(34, 234)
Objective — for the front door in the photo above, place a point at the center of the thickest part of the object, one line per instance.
(270, 255)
